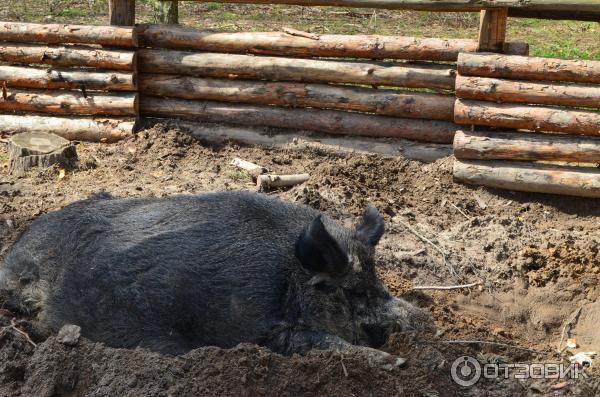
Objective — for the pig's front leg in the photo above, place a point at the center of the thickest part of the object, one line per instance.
(303, 341)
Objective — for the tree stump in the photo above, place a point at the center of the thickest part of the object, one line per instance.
(39, 149)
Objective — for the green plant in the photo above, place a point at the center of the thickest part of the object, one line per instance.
(213, 6)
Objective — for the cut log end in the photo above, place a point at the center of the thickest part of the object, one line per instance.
(39, 149)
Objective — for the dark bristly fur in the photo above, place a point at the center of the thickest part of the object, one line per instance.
(171, 274)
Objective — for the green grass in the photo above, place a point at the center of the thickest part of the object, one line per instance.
(71, 12)
(3, 157)
(214, 6)
(238, 175)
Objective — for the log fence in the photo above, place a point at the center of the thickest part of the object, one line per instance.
(551, 107)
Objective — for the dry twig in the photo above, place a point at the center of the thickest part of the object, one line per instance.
(447, 287)
(13, 327)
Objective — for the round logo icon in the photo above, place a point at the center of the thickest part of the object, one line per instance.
(466, 371)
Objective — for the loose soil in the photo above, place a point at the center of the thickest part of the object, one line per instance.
(536, 257)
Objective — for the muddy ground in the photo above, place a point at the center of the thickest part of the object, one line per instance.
(536, 259)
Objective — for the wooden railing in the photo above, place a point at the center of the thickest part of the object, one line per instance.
(122, 12)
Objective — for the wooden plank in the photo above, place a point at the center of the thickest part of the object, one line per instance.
(528, 68)
(385, 102)
(326, 45)
(525, 146)
(327, 121)
(529, 177)
(492, 29)
(121, 12)
(44, 78)
(27, 54)
(74, 34)
(206, 64)
(534, 118)
(543, 93)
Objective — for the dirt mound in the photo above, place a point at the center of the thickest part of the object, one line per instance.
(536, 259)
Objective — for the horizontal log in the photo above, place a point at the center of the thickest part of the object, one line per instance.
(544, 93)
(68, 56)
(73, 34)
(572, 14)
(205, 64)
(80, 129)
(328, 121)
(327, 45)
(528, 68)
(497, 145)
(43, 78)
(70, 102)
(534, 118)
(529, 177)
(441, 5)
(384, 102)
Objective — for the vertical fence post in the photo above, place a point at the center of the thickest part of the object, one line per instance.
(169, 12)
(492, 29)
(121, 12)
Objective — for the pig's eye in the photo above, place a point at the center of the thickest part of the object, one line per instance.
(325, 288)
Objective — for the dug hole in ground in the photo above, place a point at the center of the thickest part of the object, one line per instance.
(535, 258)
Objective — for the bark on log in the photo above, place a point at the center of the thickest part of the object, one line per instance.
(326, 45)
(30, 77)
(73, 34)
(79, 129)
(528, 177)
(70, 102)
(497, 145)
(329, 121)
(68, 56)
(544, 93)
(294, 69)
(385, 102)
(535, 118)
(528, 68)
(38, 149)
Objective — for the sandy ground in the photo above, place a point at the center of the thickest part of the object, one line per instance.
(536, 259)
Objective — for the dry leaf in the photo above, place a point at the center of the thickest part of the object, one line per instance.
(571, 343)
(61, 174)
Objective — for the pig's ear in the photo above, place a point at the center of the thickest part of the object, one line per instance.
(371, 227)
(318, 251)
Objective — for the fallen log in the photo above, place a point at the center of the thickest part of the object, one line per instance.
(38, 149)
(385, 102)
(329, 121)
(534, 118)
(74, 34)
(529, 177)
(498, 145)
(70, 102)
(264, 182)
(68, 56)
(73, 129)
(528, 68)
(295, 69)
(544, 93)
(30, 77)
(326, 45)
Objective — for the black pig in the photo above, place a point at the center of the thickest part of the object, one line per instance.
(172, 274)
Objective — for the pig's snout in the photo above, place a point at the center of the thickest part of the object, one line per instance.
(398, 316)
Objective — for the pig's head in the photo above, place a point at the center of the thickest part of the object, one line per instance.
(343, 295)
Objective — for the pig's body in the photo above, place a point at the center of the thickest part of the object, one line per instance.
(218, 269)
